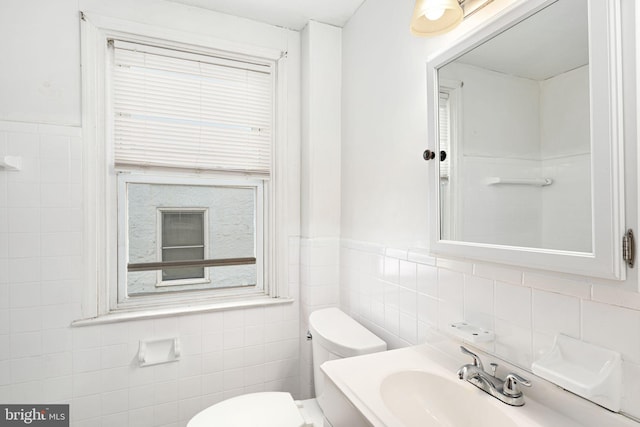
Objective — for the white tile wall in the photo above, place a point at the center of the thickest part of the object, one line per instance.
(44, 360)
(403, 295)
(525, 309)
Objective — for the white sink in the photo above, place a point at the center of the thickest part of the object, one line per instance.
(423, 399)
(418, 387)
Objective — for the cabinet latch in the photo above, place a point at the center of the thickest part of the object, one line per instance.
(629, 248)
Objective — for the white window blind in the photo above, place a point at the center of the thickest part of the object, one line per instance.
(184, 110)
(444, 124)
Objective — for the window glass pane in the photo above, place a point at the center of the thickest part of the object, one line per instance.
(180, 273)
(234, 275)
(182, 254)
(182, 229)
(169, 222)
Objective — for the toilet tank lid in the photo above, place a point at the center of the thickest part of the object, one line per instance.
(342, 335)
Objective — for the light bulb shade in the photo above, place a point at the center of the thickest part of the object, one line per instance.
(421, 25)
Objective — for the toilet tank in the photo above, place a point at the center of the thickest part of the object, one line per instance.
(336, 336)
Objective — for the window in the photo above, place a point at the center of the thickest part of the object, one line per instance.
(448, 139)
(182, 237)
(444, 132)
(190, 234)
(175, 113)
(186, 195)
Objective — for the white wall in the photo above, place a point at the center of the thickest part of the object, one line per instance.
(565, 155)
(564, 109)
(383, 132)
(321, 114)
(41, 73)
(321, 179)
(407, 297)
(500, 112)
(42, 358)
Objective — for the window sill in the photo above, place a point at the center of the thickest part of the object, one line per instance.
(152, 313)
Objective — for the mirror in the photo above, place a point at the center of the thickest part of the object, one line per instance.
(520, 156)
(516, 117)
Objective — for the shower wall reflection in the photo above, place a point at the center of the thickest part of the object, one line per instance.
(515, 123)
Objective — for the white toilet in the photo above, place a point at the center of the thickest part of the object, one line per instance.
(335, 336)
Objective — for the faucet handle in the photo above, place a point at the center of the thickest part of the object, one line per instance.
(476, 359)
(511, 384)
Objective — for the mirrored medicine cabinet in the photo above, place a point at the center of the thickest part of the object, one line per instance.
(525, 113)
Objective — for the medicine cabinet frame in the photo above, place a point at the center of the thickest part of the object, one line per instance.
(607, 171)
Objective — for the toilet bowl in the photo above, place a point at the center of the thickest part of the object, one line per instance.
(335, 335)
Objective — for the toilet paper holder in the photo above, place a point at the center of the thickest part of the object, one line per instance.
(156, 352)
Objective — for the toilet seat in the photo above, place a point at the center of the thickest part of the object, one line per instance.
(269, 409)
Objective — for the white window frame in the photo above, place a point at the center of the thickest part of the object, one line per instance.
(160, 245)
(100, 295)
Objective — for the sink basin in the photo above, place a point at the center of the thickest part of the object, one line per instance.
(418, 387)
(423, 399)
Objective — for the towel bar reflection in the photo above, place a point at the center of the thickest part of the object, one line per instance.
(535, 182)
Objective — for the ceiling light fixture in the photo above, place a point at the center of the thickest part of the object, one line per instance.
(434, 17)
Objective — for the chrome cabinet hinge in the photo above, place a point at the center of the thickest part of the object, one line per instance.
(629, 248)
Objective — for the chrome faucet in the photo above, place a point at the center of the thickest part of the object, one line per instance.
(505, 390)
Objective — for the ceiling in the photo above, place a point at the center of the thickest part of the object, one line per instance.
(293, 14)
